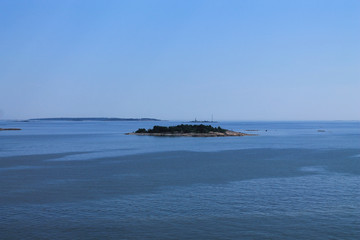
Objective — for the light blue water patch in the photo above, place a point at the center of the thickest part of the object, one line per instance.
(94, 155)
(314, 169)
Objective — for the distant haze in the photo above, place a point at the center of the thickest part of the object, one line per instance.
(177, 60)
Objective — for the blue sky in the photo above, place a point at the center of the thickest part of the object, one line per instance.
(177, 60)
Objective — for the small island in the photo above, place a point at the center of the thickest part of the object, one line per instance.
(187, 130)
(10, 129)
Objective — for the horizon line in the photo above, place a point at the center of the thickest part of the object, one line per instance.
(179, 120)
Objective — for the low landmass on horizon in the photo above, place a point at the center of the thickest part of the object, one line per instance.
(94, 119)
(10, 129)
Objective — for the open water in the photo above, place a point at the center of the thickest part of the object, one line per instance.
(87, 180)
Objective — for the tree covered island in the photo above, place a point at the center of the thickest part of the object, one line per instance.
(187, 130)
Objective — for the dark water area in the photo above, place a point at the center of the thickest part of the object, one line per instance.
(87, 180)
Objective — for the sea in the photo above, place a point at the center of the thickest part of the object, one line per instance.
(88, 180)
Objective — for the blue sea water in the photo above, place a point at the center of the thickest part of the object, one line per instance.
(87, 180)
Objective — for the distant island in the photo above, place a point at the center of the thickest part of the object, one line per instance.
(10, 129)
(203, 121)
(187, 130)
(95, 119)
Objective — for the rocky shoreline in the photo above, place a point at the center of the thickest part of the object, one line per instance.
(209, 134)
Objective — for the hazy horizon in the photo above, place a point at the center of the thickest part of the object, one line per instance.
(180, 60)
(188, 120)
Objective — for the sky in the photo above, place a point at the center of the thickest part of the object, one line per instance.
(180, 60)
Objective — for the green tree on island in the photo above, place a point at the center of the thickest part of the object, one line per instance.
(183, 128)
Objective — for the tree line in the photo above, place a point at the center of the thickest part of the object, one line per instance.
(183, 128)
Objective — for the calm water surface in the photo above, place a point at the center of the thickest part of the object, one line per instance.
(87, 180)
